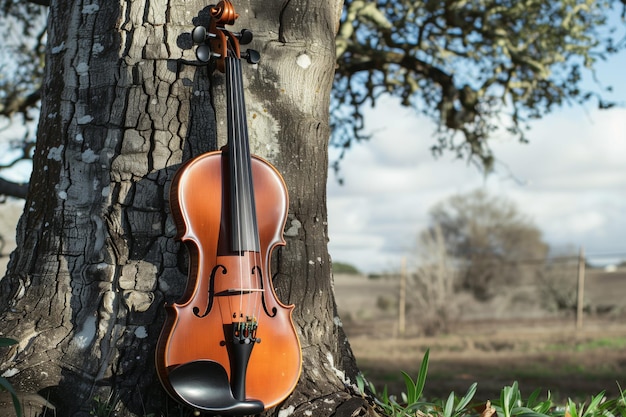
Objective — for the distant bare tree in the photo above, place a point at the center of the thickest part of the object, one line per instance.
(558, 282)
(431, 285)
(495, 244)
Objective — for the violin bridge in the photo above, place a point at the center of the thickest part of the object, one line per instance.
(237, 291)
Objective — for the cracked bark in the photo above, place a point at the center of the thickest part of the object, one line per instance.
(96, 253)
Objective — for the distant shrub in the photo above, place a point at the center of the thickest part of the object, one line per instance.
(344, 268)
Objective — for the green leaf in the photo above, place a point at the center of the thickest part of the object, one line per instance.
(526, 412)
(465, 400)
(6, 385)
(571, 408)
(411, 388)
(385, 395)
(531, 402)
(593, 405)
(509, 398)
(421, 377)
(447, 410)
(360, 383)
(5, 341)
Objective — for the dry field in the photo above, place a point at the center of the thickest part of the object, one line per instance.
(538, 352)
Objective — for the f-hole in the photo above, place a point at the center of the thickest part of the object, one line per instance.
(257, 271)
(196, 310)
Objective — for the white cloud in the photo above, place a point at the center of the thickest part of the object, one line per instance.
(570, 179)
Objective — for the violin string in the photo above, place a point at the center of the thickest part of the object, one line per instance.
(244, 198)
(237, 164)
(241, 163)
(242, 180)
(254, 305)
(232, 149)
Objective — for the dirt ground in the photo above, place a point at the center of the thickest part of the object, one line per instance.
(548, 353)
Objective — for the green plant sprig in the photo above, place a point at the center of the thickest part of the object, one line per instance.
(5, 384)
(510, 404)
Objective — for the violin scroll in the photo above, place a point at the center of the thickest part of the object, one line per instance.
(217, 42)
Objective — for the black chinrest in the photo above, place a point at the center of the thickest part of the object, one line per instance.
(204, 385)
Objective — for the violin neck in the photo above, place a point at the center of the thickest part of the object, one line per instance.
(243, 224)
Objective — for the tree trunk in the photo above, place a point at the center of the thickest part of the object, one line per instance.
(97, 258)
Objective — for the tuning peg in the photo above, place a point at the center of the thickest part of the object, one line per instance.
(252, 56)
(245, 36)
(203, 53)
(198, 34)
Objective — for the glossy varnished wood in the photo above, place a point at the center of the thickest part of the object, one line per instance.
(198, 201)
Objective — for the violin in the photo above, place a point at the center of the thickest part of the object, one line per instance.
(229, 346)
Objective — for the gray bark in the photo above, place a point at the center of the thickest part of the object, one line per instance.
(96, 255)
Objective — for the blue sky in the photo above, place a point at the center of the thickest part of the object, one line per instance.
(570, 180)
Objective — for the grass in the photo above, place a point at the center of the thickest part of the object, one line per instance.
(4, 383)
(510, 403)
(595, 344)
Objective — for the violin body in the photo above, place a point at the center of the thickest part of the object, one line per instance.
(194, 328)
(229, 346)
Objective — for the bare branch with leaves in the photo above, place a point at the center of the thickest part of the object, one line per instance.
(475, 68)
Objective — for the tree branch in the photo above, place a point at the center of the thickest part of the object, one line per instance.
(13, 189)
(16, 103)
(40, 2)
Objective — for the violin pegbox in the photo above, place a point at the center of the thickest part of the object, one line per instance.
(217, 42)
(199, 35)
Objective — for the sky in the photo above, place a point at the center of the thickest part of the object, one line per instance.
(570, 180)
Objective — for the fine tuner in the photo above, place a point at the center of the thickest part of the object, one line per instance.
(201, 37)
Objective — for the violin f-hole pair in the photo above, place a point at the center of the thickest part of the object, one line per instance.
(229, 346)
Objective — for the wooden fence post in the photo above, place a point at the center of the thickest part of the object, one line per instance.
(402, 301)
(580, 294)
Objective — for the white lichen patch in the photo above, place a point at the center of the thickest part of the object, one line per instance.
(58, 48)
(285, 412)
(303, 61)
(264, 129)
(337, 321)
(10, 372)
(82, 68)
(86, 335)
(89, 156)
(141, 333)
(79, 138)
(91, 8)
(97, 48)
(99, 234)
(84, 120)
(62, 195)
(293, 229)
(338, 372)
(55, 153)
